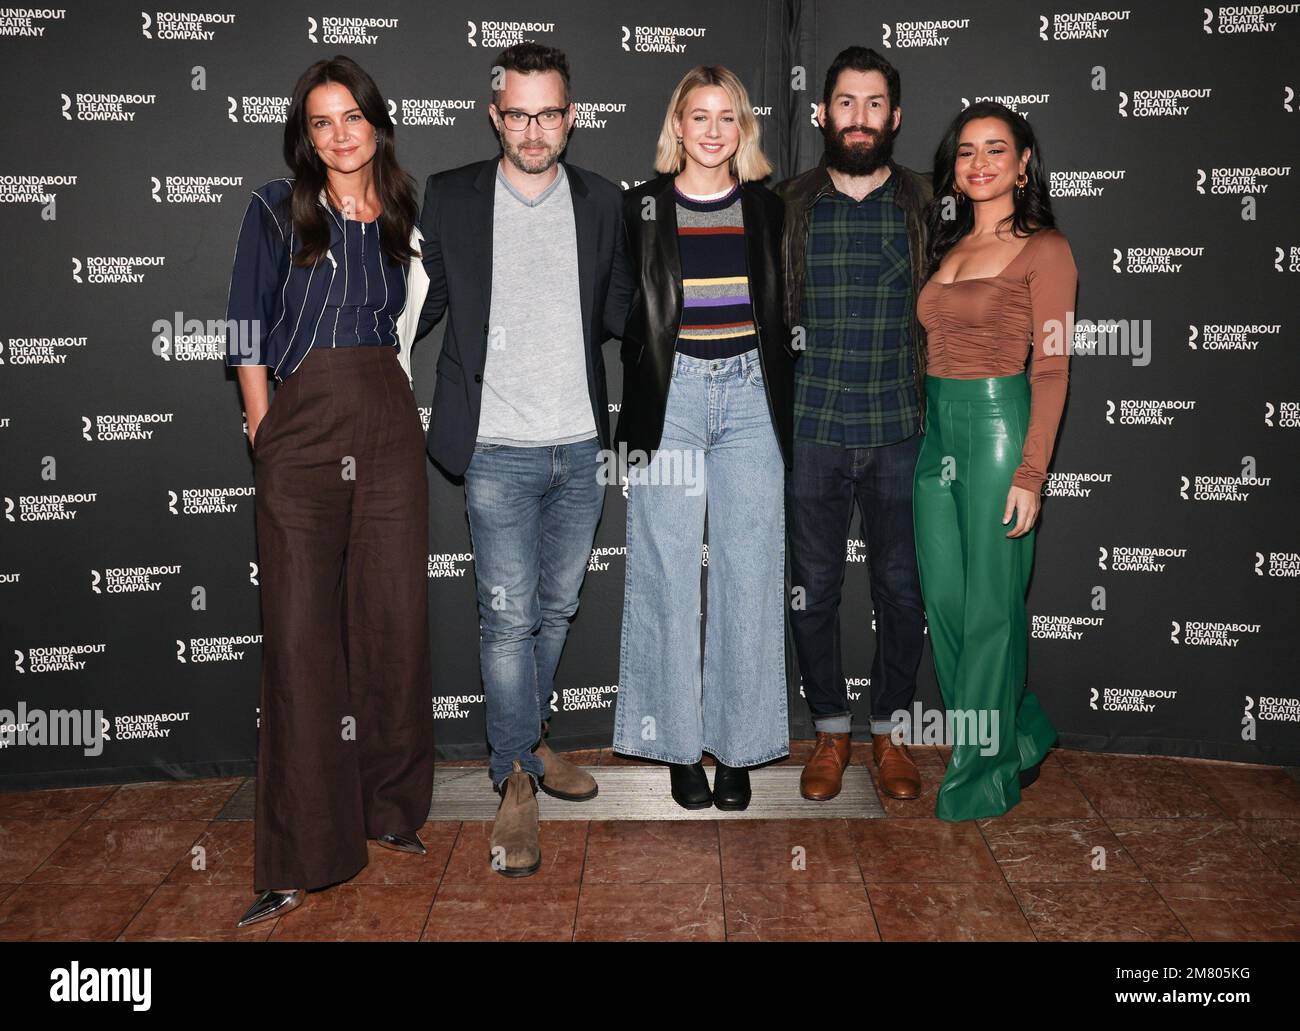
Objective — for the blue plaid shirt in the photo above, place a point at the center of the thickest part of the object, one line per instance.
(854, 384)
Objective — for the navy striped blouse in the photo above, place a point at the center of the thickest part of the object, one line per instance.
(277, 312)
(367, 294)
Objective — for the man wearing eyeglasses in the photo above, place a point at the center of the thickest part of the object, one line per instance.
(525, 253)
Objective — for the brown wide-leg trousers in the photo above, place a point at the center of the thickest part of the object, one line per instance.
(345, 746)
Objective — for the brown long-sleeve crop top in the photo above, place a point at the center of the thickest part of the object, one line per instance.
(987, 326)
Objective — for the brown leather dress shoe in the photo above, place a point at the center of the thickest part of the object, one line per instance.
(898, 774)
(823, 774)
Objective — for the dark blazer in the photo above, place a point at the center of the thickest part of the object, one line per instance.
(650, 339)
(457, 251)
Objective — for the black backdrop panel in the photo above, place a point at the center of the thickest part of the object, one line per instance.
(1164, 597)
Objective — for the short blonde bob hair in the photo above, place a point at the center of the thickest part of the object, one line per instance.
(748, 163)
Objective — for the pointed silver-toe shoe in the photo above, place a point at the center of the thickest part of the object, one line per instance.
(272, 903)
(403, 843)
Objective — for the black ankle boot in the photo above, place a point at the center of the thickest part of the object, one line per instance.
(1030, 774)
(690, 785)
(730, 786)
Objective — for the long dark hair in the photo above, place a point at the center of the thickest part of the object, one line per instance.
(396, 188)
(1033, 206)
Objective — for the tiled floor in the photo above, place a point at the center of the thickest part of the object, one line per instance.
(1103, 847)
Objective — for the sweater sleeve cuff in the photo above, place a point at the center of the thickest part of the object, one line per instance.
(1030, 481)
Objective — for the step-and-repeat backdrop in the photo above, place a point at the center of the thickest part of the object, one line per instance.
(1164, 598)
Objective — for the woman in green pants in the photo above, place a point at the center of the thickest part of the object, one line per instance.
(1001, 283)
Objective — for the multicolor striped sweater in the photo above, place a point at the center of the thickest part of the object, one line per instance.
(717, 317)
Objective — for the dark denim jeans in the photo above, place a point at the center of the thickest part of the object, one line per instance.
(821, 489)
(533, 513)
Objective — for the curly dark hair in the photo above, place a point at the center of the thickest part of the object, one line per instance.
(862, 59)
(1033, 206)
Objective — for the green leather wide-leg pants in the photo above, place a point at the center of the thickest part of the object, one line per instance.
(973, 580)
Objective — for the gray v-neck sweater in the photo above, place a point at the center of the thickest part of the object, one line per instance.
(535, 388)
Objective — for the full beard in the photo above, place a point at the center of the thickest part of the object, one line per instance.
(532, 164)
(857, 158)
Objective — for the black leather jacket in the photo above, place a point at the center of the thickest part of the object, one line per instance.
(650, 338)
(800, 193)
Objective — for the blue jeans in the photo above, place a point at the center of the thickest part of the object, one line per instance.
(718, 452)
(532, 518)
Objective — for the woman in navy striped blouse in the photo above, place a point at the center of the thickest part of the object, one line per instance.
(345, 745)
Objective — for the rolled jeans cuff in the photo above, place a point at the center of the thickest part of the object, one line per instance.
(833, 724)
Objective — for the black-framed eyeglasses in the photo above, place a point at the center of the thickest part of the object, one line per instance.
(517, 121)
